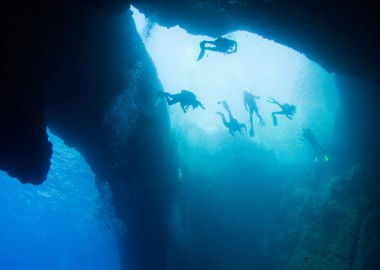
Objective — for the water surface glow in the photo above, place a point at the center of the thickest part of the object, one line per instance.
(264, 67)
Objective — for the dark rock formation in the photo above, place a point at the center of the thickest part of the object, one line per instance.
(339, 229)
(341, 37)
(98, 101)
(24, 149)
(83, 67)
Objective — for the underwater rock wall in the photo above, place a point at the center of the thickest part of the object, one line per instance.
(99, 102)
(357, 128)
(25, 151)
(244, 214)
(341, 37)
(339, 232)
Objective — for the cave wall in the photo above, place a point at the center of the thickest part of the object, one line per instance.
(81, 69)
(98, 101)
(341, 37)
(25, 151)
(357, 128)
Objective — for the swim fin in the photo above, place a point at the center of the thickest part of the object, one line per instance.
(275, 120)
(326, 158)
(226, 106)
(201, 54)
(251, 132)
(157, 99)
(157, 102)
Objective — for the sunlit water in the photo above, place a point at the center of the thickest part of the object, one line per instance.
(262, 66)
(62, 224)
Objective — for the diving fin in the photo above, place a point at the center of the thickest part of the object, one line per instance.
(326, 158)
(201, 54)
(251, 132)
(225, 105)
(275, 120)
(156, 101)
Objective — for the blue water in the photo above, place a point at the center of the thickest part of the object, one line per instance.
(62, 224)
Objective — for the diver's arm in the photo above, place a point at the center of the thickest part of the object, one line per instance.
(257, 97)
(288, 116)
(184, 108)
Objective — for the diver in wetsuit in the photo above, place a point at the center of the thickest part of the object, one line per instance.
(221, 44)
(286, 109)
(310, 137)
(233, 125)
(185, 98)
(250, 103)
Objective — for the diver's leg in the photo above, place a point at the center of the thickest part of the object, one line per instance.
(172, 98)
(251, 116)
(225, 105)
(166, 94)
(202, 53)
(223, 119)
(262, 123)
(320, 150)
(251, 131)
(275, 118)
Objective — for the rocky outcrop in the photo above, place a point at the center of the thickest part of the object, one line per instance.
(339, 231)
(83, 68)
(341, 37)
(98, 101)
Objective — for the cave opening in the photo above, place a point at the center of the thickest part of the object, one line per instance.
(265, 68)
(241, 195)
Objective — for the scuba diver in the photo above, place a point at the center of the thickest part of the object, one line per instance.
(250, 103)
(309, 136)
(221, 44)
(287, 109)
(185, 98)
(233, 125)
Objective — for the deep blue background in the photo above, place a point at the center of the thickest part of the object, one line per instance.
(62, 224)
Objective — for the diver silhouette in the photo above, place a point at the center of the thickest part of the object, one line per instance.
(286, 109)
(185, 98)
(221, 44)
(251, 106)
(308, 135)
(233, 125)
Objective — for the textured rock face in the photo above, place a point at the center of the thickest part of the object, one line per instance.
(99, 102)
(341, 37)
(338, 232)
(24, 149)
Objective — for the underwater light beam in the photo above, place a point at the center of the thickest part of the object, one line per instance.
(262, 66)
